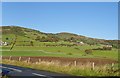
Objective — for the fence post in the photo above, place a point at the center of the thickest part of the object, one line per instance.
(28, 59)
(75, 63)
(39, 60)
(0, 57)
(112, 66)
(10, 58)
(19, 58)
(36, 62)
(93, 66)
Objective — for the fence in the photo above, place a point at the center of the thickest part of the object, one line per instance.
(62, 61)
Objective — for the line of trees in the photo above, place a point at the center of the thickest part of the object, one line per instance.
(47, 39)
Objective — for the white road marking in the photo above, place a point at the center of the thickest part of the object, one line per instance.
(12, 69)
(15, 69)
(38, 74)
(2, 67)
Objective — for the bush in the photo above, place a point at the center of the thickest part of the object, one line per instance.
(69, 54)
(76, 48)
(88, 51)
(103, 48)
(59, 50)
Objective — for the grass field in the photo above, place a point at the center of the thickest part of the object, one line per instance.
(74, 51)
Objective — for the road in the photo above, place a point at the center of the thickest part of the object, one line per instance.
(21, 72)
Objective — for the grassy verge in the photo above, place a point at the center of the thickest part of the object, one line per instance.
(83, 70)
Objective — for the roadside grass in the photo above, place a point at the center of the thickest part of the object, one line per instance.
(4, 77)
(83, 70)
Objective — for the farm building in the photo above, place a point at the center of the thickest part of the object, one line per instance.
(80, 43)
(3, 43)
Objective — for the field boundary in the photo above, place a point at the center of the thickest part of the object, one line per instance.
(62, 60)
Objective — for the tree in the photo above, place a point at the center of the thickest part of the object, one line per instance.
(88, 51)
(7, 38)
(14, 42)
(37, 38)
(31, 43)
(16, 31)
(43, 39)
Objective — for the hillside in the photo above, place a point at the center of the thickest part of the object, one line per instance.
(25, 35)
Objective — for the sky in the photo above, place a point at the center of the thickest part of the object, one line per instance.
(92, 19)
(60, 0)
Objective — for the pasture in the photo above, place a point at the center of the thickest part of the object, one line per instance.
(60, 51)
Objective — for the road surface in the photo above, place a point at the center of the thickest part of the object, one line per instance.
(21, 72)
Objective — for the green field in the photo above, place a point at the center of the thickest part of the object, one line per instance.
(74, 51)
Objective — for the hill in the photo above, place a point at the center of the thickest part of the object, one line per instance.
(9, 33)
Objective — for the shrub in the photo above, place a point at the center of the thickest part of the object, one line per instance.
(59, 50)
(7, 38)
(76, 48)
(69, 54)
(88, 51)
(103, 48)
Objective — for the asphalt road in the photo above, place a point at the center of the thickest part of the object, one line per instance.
(21, 72)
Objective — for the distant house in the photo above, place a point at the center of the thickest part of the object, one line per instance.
(3, 43)
(107, 47)
(80, 43)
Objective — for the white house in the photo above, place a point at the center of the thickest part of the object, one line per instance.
(80, 43)
(3, 43)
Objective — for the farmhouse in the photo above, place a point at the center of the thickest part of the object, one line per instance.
(3, 43)
(107, 47)
(80, 43)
